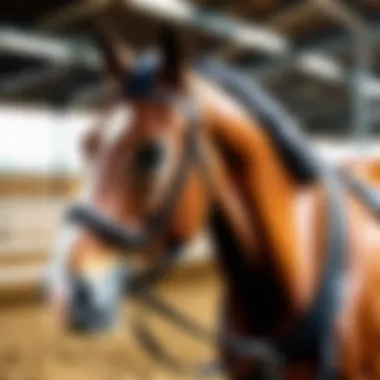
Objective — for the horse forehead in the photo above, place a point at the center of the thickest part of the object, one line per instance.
(208, 93)
(118, 124)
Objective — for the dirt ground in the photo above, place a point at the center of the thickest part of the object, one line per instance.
(32, 349)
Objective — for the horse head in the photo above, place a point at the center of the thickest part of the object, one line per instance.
(143, 176)
(188, 149)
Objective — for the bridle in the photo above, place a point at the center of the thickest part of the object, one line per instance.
(141, 85)
(140, 284)
(265, 352)
(120, 236)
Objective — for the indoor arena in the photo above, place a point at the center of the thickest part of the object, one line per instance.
(189, 189)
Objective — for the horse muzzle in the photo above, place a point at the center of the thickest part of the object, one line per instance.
(88, 303)
(95, 301)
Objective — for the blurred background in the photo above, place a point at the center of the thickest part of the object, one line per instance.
(320, 58)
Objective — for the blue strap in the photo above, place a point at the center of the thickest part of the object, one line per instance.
(140, 83)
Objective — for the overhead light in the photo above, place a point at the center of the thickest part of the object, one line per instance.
(243, 34)
(320, 65)
(177, 10)
(257, 38)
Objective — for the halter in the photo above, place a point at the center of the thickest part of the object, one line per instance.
(120, 236)
(142, 86)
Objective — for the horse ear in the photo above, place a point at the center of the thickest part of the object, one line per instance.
(173, 56)
(118, 57)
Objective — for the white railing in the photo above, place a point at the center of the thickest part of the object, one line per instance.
(21, 276)
(29, 224)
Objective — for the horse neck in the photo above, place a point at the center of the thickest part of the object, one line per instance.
(267, 194)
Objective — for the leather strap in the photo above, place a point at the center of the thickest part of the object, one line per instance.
(270, 353)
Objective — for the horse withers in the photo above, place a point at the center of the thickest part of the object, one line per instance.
(298, 249)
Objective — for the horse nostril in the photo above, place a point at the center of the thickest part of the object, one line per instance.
(93, 305)
(150, 156)
(82, 293)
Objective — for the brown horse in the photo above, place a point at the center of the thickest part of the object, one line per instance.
(263, 195)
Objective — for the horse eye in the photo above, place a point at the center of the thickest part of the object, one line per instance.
(149, 156)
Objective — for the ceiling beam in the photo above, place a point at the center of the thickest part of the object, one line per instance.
(183, 13)
(68, 52)
(277, 23)
(60, 51)
(243, 36)
(62, 55)
(267, 69)
(323, 51)
(365, 85)
(41, 46)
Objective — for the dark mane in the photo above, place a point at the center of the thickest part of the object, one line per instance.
(281, 127)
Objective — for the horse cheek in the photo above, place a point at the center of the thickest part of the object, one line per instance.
(190, 213)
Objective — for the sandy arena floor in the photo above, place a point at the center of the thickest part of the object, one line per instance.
(30, 348)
